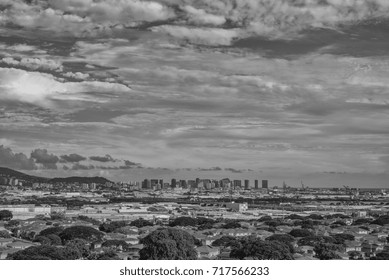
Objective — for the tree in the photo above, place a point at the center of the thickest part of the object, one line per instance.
(381, 220)
(309, 223)
(139, 223)
(205, 226)
(258, 249)
(294, 217)
(4, 234)
(315, 217)
(112, 226)
(224, 241)
(43, 240)
(51, 230)
(79, 245)
(339, 223)
(168, 244)
(232, 224)
(203, 221)
(313, 240)
(57, 216)
(326, 251)
(300, 232)
(44, 252)
(55, 240)
(361, 221)
(337, 216)
(88, 233)
(12, 224)
(342, 237)
(5, 215)
(384, 255)
(275, 223)
(355, 255)
(89, 220)
(284, 238)
(265, 218)
(183, 222)
(106, 254)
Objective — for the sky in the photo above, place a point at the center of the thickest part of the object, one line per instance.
(127, 89)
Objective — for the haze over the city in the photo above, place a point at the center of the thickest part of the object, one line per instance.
(279, 90)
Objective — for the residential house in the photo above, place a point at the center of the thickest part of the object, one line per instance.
(353, 246)
(21, 244)
(306, 250)
(207, 252)
(5, 241)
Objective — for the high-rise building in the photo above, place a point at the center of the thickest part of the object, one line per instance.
(237, 183)
(3, 181)
(246, 184)
(146, 184)
(161, 183)
(174, 183)
(154, 183)
(191, 183)
(265, 184)
(183, 184)
(256, 184)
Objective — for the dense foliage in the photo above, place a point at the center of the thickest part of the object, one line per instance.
(183, 222)
(284, 238)
(83, 232)
(326, 251)
(224, 241)
(5, 215)
(313, 240)
(51, 230)
(112, 226)
(300, 232)
(139, 223)
(258, 249)
(168, 244)
(46, 252)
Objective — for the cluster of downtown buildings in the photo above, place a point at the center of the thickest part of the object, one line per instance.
(203, 184)
(260, 210)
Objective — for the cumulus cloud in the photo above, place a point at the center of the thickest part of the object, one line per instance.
(81, 17)
(15, 160)
(42, 89)
(33, 63)
(216, 168)
(106, 158)
(114, 11)
(79, 166)
(205, 36)
(283, 18)
(233, 170)
(42, 159)
(77, 75)
(129, 163)
(10, 50)
(72, 158)
(48, 161)
(201, 17)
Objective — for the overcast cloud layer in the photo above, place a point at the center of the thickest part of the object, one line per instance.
(218, 88)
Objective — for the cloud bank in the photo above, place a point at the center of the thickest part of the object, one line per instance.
(275, 19)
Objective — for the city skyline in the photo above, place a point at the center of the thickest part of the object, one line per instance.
(287, 91)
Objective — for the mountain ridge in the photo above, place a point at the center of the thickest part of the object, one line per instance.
(8, 172)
